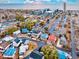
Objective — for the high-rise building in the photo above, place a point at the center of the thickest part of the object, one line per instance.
(64, 7)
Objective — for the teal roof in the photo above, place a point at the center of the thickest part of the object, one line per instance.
(44, 36)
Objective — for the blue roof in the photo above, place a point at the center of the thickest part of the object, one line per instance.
(25, 30)
(17, 40)
(23, 40)
(33, 31)
(27, 41)
(44, 36)
(36, 55)
(40, 44)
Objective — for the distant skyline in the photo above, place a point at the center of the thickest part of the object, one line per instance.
(38, 6)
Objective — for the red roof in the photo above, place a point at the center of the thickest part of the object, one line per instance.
(52, 38)
(1, 57)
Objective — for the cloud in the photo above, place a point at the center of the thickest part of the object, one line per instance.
(29, 1)
(39, 1)
(4, 1)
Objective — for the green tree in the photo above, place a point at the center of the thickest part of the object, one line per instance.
(30, 24)
(42, 23)
(22, 25)
(50, 52)
(20, 18)
(10, 31)
(17, 17)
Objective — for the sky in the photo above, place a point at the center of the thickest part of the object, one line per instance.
(39, 1)
(38, 4)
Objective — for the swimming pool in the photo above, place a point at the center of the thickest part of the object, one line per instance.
(10, 51)
(62, 54)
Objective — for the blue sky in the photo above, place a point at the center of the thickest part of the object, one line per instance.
(39, 1)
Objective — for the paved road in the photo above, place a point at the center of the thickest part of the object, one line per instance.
(54, 25)
(64, 21)
(73, 40)
(72, 35)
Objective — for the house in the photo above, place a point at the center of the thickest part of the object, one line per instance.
(16, 42)
(36, 55)
(16, 32)
(7, 38)
(24, 30)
